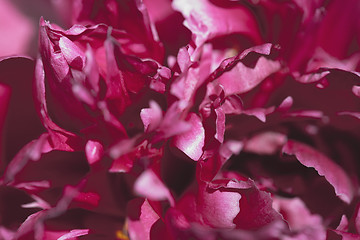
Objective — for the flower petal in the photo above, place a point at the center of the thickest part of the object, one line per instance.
(333, 173)
(192, 141)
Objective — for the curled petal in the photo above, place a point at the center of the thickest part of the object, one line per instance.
(60, 137)
(74, 56)
(241, 78)
(333, 173)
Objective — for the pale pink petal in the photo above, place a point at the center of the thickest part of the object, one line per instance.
(192, 141)
(219, 208)
(74, 56)
(220, 124)
(356, 90)
(344, 224)
(172, 123)
(39, 203)
(31, 186)
(266, 143)
(207, 21)
(241, 78)
(73, 234)
(306, 113)
(151, 117)
(150, 186)
(6, 234)
(94, 151)
(302, 222)
(16, 30)
(259, 113)
(140, 221)
(286, 104)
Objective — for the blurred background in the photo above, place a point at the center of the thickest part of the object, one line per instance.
(19, 20)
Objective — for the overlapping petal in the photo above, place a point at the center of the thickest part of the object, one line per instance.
(240, 123)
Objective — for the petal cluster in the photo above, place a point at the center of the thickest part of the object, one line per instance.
(181, 119)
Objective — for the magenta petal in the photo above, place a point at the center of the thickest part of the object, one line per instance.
(344, 235)
(60, 137)
(130, 17)
(357, 219)
(56, 60)
(333, 173)
(300, 220)
(32, 223)
(219, 208)
(4, 101)
(209, 168)
(256, 208)
(30, 152)
(192, 141)
(17, 105)
(241, 78)
(229, 204)
(139, 225)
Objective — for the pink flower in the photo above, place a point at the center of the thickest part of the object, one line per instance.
(242, 123)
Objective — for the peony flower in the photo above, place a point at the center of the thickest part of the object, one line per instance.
(242, 123)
